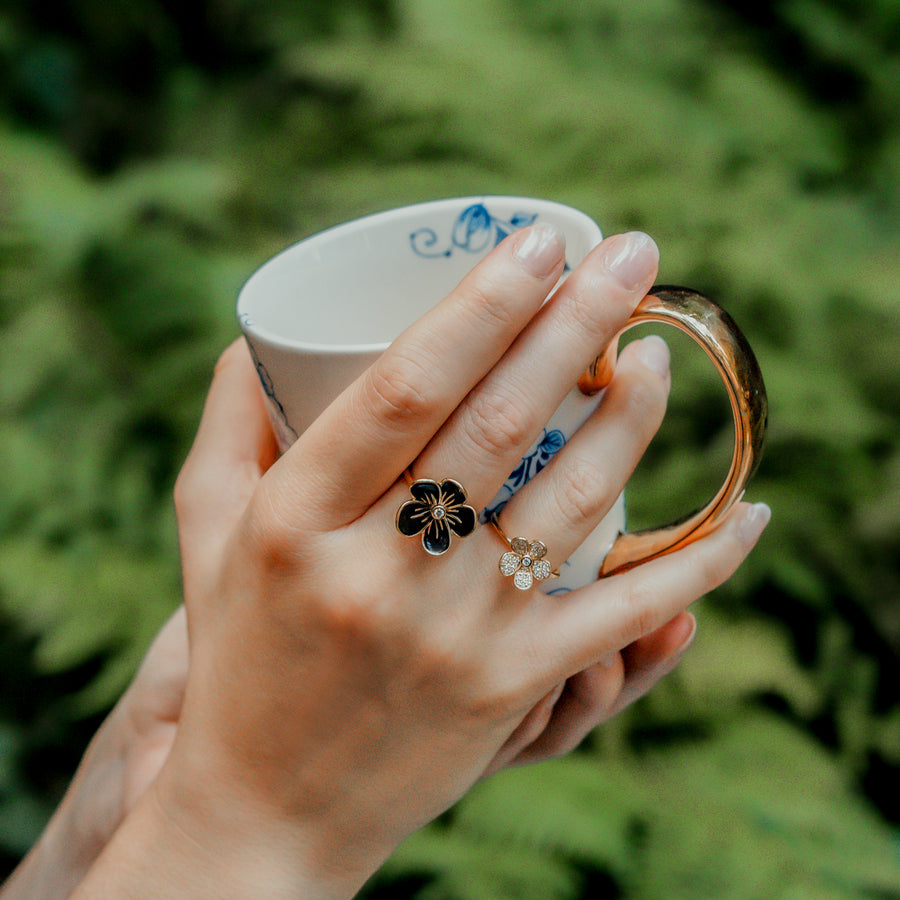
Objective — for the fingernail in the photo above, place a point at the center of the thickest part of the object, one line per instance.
(754, 521)
(540, 249)
(688, 639)
(555, 694)
(653, 352)
(632, 259)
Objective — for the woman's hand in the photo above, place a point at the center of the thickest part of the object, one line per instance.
(131, 746)
(122, 760)
(345, 687)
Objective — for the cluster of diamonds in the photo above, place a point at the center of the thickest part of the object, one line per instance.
(525, 562)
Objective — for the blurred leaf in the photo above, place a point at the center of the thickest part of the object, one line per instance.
(150, 158)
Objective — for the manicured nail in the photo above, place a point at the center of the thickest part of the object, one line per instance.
(754, 521)
(540, 249)
(653, 352)
(632, 259)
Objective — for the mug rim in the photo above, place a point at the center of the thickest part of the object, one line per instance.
(574, 217)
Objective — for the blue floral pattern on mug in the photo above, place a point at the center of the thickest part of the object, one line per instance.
(547, 446)
(560, 590)
(284, 431)
(475, 231)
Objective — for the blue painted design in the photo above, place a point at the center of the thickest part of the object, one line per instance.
(475, 231)
(287, 433)
(557, 591)
(547, 447)
(494, 510)
(549, 444)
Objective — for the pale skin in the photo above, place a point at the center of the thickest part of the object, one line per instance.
(344, 688)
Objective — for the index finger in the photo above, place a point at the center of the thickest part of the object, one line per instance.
(363, 442)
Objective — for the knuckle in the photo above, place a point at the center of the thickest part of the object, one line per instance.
(490, 305)
(355, 619)
(273, 536)
(358, 615)
(586, 311)
(495, 423)
(442, 657)
(503, 693)
(645, 397)
(399, 388)
(582, 490)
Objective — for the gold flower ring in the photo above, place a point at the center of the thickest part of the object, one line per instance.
(524, 562)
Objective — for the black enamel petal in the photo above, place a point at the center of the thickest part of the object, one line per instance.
(436, 538)
(412, 517)
(463, 519)
(425, 491)
(453, 493)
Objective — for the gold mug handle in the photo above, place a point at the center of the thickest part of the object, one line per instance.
(716, 332)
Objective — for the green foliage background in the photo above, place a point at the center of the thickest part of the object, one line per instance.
(153, 153)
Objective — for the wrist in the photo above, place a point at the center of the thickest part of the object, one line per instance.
(55, 864)
(212, 845)
(81, 825)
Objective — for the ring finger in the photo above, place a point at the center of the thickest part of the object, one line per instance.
(567, 500)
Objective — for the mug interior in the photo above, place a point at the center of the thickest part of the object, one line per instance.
(358, 285)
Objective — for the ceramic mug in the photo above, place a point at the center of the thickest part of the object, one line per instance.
(318, 314)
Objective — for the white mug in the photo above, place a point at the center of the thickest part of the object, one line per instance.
(317, 315)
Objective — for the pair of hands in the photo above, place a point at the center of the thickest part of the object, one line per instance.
(343, 687)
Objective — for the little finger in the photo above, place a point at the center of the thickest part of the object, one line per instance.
(588, 699)
(528, 731)
(606, 688)
(651, 658)
(616, 611)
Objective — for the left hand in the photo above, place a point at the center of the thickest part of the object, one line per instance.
(122, 760)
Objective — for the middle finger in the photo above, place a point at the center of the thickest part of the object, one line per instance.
(503, 415)
(364, 440)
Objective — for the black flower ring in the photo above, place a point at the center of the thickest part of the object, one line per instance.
(435, 511)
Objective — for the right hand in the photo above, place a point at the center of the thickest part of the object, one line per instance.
(345, 688)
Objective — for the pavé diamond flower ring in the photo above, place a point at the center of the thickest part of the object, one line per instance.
(524, 561)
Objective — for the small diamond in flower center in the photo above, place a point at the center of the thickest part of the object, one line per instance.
(526, 560)
(438, 512)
